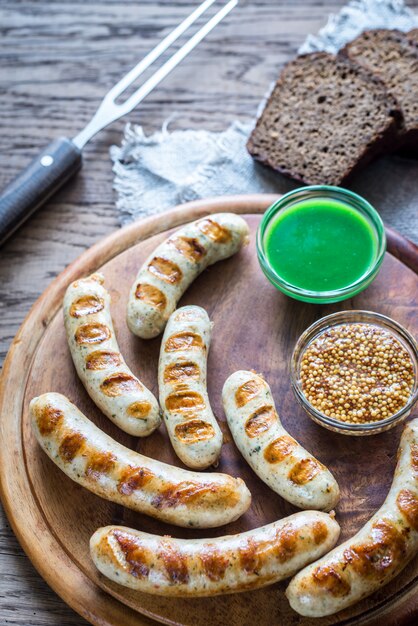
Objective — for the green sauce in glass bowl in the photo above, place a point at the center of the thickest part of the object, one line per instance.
(321, 244)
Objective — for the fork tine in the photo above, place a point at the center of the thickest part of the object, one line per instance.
(152, 56)
(177, 57)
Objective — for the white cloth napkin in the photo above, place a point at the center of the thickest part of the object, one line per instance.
(156, 172)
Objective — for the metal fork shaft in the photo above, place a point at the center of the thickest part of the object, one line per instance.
(109, 111)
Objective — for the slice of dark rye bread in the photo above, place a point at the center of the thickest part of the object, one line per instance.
(325, 119)
(393, 57)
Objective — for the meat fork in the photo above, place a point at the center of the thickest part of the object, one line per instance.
(63, 157)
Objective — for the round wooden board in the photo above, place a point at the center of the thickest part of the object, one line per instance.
(256, 327)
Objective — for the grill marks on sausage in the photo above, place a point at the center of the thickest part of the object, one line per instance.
(248, 391)
(180, 372)
(279, 449)
(214, 563)
(48, 419)
(189, 247)
(213, 230)
(381, 555)
(283, 547)
(136, 556)
(120, 383)
(139, 410)
(188, 492)
(253, 554)
(184, 401)
(320, 532)
(100, 463)
(92, 333)
(248, 556)
(414, 458)
(175, 563)
(103, 359)
(407, 503)
(181, 493)
(304, 471)
(165, 270)
(260, 421)
(86, 305)
(331, 580)
(71, 445)
(107, 550)
(184, 341)
(151, 295)
(134, 478)
(117, 383)
(374, 559)
(194, 431)
(286, 543)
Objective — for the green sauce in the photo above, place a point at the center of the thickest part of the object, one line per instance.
(320, 245)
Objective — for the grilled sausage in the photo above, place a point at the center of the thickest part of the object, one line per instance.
(174, 264)
(208, 567)
(277, 458)
(375, 555)
(92, 459)
(99, 364)
(192, 427)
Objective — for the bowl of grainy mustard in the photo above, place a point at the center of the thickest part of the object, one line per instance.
(356, 372)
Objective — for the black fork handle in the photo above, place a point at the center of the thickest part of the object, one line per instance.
(32, 187)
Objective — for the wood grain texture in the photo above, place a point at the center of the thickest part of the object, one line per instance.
(43, 502)
(56, 60)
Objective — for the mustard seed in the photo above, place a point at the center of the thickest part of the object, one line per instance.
(367, 382)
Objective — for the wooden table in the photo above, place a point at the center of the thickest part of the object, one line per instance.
(57, 60)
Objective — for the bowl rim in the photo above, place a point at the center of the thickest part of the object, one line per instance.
(353, 316)
(354, 201)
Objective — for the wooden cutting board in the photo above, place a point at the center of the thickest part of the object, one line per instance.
(256, 327)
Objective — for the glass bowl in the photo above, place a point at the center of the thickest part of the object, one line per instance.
(343, 317)
(356, 203)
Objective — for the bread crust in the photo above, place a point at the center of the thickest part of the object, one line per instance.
(390, 55)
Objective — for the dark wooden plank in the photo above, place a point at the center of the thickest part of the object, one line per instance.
(56, 61)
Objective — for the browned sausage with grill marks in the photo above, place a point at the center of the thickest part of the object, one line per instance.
(208, 567)
(100, 366)
(96, 461)
(276, 457)
(375, 555)
(175, 263)
(191, 424)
